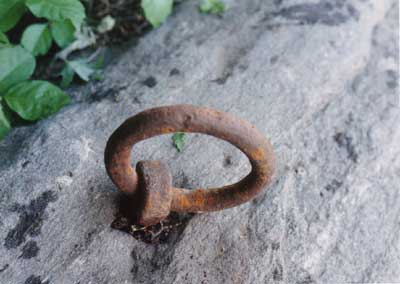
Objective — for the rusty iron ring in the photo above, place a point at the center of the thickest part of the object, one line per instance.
(151, 183)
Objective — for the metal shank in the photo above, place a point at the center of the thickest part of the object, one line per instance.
(187, 118)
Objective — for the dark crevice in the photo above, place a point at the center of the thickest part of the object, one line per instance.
(167, 231)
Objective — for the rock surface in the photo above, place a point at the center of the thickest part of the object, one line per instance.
(319, 78)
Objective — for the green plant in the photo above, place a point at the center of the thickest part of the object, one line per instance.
(178, 139)
(61, 22)
(64, 25)
(216, 7)
(157, 11)
(33, 99)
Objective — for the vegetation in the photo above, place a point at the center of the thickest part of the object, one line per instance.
(216, 7)
(59, 28)
(178, 139)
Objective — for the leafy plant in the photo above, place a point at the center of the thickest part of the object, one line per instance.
(10, 13)
(62, 32)
(58, 10)
(37, 39)
(178, 139)
(17, 65)
(33, 100)
(61, 22)
(216, 7)
(157, 11)
(81, 67)
(5, 125)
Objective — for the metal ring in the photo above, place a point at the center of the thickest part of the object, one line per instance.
(187, 118)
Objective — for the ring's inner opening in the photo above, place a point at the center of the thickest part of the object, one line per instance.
(204, 162)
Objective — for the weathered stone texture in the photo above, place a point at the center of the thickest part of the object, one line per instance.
(319, 78)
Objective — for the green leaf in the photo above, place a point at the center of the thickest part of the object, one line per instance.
(67, 75)
(5, 125)
(85, 70)
(63, 32)
(4, 42)
(178, 140)
(10, 13)
(97, 65)
(99, 61)
(212, 6)
(157, 11)
(37, 39)
(34, 100)
(81, 68)
(58, 10)
(16, 65)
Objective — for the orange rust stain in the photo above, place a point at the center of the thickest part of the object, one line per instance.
(128, 171)
(167, 129)
(200, 196)
(182, 202)
(258, 154)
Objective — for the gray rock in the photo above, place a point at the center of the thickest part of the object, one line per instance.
(319, 78)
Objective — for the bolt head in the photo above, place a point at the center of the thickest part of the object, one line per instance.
(154, 192)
